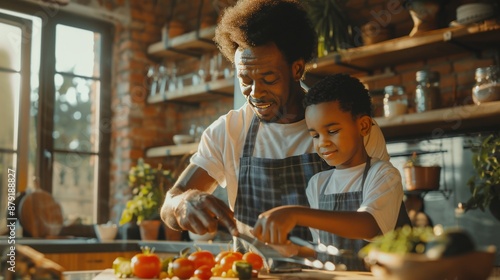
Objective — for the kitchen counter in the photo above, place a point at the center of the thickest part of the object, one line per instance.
(83, 245)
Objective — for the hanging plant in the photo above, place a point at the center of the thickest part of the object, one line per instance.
(331, 23)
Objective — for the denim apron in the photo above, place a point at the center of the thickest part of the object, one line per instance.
(349, 201)
(265, 183)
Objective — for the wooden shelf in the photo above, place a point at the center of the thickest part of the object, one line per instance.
(173, 150)
(405, 49)
(195, 94)
(437, 122)
(190, 44)
(461, 118)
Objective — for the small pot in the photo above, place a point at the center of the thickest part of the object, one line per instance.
(422, 177)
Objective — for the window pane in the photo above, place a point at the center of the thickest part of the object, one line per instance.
(77, 51)
(74, 178)
(9, 109)
(76, 108)
(10, 49)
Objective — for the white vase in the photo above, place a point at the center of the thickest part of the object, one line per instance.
(424, 16)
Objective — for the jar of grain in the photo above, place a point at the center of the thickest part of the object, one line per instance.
(395, 101)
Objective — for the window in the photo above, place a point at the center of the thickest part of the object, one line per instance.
(59, 120)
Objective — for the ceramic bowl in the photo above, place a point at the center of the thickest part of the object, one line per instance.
(202, 237)
(474, 265)
(106, 232)
(180, 139)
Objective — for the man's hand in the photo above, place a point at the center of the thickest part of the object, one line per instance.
(200, 212)
(190, 206)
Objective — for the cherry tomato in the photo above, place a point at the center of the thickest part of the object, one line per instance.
(254, 259)
(182, 268)
(146, 265)
(217, 270)
(203, 272)
(227, 261)
(202, 257)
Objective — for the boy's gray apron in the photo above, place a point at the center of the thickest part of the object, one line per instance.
(265, 183)
(350, 201)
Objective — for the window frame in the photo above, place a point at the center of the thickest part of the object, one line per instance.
(52, 15)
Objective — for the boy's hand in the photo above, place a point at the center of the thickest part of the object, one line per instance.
(274, 225)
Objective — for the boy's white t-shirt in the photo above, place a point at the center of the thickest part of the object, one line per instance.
(221, 145)
(382, 192)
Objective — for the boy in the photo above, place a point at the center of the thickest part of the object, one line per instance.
(359, 199)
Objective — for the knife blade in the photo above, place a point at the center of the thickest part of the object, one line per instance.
(322, 248)
(273, 260)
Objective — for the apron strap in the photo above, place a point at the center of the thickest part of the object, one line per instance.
(250, 138)
(365, 173)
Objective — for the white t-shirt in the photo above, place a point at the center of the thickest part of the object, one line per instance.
(382, 192)
(221, 145)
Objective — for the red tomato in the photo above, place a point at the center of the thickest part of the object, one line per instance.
(222, 254)
(203, 272)
(254, 259)
(202, 257)
(183, 268)
(146, 265)
(227, 262)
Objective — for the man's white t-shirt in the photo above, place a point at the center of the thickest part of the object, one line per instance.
(381, 193)
(221, 145)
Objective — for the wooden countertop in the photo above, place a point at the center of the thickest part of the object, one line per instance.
(304, 274)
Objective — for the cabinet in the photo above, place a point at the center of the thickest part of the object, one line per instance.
(87, 261)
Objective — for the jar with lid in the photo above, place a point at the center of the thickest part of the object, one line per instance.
(487, 87)
(395, 101)
(427, 95)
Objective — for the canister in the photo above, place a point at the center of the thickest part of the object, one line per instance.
(395, 101)
(427, 93)
(487, 87)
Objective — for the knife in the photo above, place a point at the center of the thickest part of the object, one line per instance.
(322, 248)
(274, 262)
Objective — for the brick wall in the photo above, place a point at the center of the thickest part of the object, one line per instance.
(136, 124)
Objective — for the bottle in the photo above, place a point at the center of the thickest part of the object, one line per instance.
(487, 87)
(427, 95)
(395, 101)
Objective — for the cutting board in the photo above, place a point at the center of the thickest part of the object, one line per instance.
(304, 274)
(40, 215)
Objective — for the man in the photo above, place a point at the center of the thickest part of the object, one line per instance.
(261, 153)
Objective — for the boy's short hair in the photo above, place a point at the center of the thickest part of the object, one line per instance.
(348, 91)
(252, 23)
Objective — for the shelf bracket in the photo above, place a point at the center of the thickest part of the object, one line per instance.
(338, 61)
(448, 37)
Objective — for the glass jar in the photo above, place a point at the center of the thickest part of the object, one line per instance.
(487, 87)
(427, 95)
(395, 101)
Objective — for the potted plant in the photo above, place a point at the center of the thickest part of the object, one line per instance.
(148, 189)
(420, 177)
(484, 185)
(331, 23)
